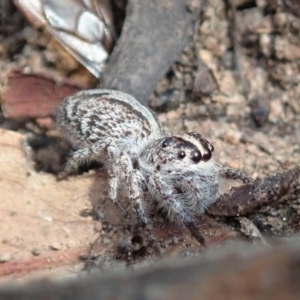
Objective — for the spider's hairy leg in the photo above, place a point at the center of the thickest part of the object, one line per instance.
(135, 181)
(233, 174)
(135, 186)
(112, 170)
(91, 153)
(96, 152)
(182, 215)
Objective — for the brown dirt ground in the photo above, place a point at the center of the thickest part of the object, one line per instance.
(268, 35)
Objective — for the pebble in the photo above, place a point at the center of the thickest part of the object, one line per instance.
(106, 241)
(35, 252)
(98, 227)
(5, 257)
(55, 246)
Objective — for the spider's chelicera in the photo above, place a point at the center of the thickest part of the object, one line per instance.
(176, 172)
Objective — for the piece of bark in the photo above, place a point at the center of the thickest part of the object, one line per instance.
(33, 95)
(241, 272)
(249, 197)
(153, 34)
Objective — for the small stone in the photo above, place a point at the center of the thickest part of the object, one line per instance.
(30, 34)
(212, 44)
(106, 241)
(150, 251)
(265, 42)
(233, 137)
(55, 246)
(260, 110)
(204, 83)
(35, 252)
(205, 55)
(175, 240)
(100, 213)
(276, 111)
(5, 257)
(72, 244)
(286, 50)
(193, 5)
(168, 242)
(261, 3)
(98, 227)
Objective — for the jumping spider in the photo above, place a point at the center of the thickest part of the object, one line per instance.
(175, 172)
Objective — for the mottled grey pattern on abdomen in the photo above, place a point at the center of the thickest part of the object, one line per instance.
(85, 120)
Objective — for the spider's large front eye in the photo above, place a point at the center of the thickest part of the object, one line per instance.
(181, 154)
(207, 155)
(196, 156)
(166, 142)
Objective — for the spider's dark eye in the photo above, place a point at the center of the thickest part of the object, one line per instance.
(166, 142)
(206, 156)
(181, 154)
(196, 156)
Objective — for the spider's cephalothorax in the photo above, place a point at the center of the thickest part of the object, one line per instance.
(185, 165)
(175, 171)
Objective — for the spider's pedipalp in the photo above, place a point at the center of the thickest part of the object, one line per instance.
(170, 201)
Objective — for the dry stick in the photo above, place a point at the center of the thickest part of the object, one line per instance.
(153, 34)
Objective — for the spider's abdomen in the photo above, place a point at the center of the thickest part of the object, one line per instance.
(89, 116)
